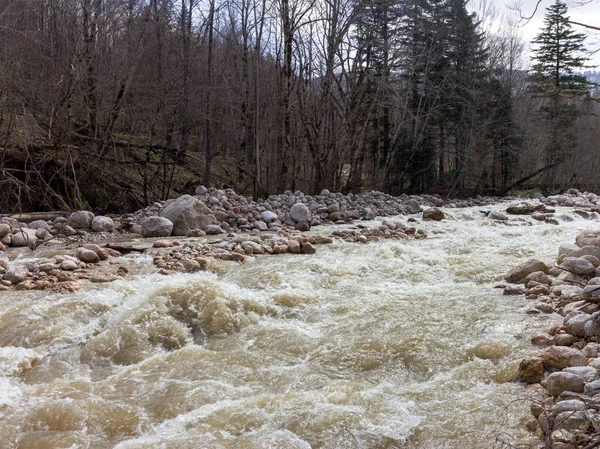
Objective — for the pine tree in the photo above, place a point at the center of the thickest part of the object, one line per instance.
(558, 54)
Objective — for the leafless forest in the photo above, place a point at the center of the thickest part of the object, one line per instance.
(113, 104)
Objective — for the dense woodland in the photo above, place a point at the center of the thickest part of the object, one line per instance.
(114, 104)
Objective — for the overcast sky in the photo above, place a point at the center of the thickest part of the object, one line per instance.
(588, 13)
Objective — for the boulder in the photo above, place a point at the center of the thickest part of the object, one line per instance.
(413, 205)
(308, 248)
(200, 190)
(520, 272)
(87, 255)
(26, 237)
(525, 209)
(268, 216)
(588, 373)
(39, 224)
(497, 215)
(576, 324)
(570, 421)
(300, 213)
(261, 225)
(563, 356)
(577, 265)
(101, 252)
(156, 227)
(531, 369)
(188, 212)
(16, 274)
(81, 219)
(568, 405)
(592, 293)
(433, 213)
(68, 265)
(4, 230)
(102, 224)
(213, 229)
(539, 277)
(561, 381)
(195, 233)
(302, 226)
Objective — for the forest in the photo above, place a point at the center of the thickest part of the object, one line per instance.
(115, 104)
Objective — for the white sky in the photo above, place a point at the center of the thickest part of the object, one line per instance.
(579, 11)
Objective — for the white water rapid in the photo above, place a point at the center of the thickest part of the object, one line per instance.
(394, 344)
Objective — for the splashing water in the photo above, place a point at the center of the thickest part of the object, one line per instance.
(394, 344)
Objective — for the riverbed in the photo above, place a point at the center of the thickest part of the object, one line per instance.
(392, 344)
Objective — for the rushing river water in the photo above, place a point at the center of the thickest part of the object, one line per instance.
(395, 344)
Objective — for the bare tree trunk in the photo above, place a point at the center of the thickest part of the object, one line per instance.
(209, 82)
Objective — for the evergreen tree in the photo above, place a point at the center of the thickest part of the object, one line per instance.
(558, 54)
(559, 51)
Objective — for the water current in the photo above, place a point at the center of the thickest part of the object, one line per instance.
(393, 344)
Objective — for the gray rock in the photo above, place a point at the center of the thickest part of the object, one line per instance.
(102, 224)
(520, 272)
(251, 247)
(592, 388)
(196, 233)
(300, 213)
(497, 215)
(592, 292)
(576, 324)
(569, 405)
(268, 216)
(45, 267)
(16, 274)
(561, 381)
(413, 205)
(68, 265)
(157, 227)
(213, 230)
(39, 224)
(42, 234)
(592, 328)
(200, 190)
(81, 219)
(26, 237)
(588, 373)
(577, 265)
(186, 213)
(433, 213)
(4, 230)
(571, 421)
(261, 225)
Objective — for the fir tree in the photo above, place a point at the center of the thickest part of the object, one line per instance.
(558, 54)
(559, 51)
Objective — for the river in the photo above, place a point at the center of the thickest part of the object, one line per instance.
(394, 344)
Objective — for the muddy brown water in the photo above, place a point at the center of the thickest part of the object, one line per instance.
(395, 344)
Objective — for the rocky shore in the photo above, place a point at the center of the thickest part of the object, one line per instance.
(564, 373)
(190, 233)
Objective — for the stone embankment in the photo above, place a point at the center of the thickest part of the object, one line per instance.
(86, 246)
(564, 374)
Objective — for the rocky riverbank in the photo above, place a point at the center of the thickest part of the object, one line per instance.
(69, 248)
(564, 374)
(189, 233)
